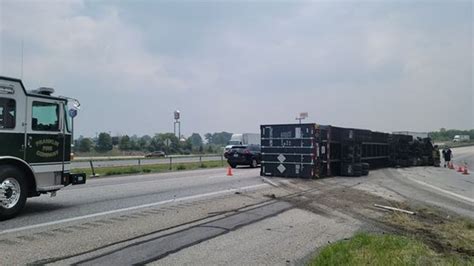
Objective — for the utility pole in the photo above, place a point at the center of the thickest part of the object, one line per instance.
(21, 60)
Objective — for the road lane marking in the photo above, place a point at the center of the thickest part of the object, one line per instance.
(226, 191)
(442, 190)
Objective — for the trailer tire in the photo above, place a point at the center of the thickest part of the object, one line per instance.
(13, 187)
(254, 163)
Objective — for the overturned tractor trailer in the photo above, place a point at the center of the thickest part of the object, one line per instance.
(313, 151)
(35, 145)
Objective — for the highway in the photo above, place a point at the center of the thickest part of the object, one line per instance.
(108, 194)
(464, 156)
(179, 217)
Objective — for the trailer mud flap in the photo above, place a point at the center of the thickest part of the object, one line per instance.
(78, 179)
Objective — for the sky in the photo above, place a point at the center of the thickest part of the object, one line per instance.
(234, 65)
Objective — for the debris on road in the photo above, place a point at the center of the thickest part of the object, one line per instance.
(394, 209)
(268, 181)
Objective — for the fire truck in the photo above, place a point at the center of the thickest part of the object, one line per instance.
(35, 145)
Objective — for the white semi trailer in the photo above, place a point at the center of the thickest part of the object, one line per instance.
(245, 139)
(461, 138)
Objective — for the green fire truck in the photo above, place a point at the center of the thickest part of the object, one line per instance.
(35, 145)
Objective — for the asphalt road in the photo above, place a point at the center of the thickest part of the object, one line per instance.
(143, 161)
(116, 193)
(464, 156)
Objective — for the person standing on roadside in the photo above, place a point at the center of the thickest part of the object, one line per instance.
(447, 155)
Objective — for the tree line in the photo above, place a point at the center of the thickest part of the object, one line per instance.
(448, 134)
(166, 142)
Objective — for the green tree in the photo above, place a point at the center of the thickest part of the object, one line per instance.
(208, 137)
(218, 138)
(134, 144)
(144, 142)
(209, 149)
(104, 143)
(158, 143)
(448, 134)
(85, 145)
(221, 138)
(196, 140)
(115, 140)
(124, 143)
(185, 147)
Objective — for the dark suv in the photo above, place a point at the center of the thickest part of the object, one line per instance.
(244, 155)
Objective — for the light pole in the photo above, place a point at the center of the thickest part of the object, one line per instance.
(177, 116)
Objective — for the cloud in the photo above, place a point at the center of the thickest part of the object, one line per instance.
(234, 66)
(102, 49)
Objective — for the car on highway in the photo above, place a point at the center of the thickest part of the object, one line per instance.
(227, 149)
(155, 154)
(244, 155)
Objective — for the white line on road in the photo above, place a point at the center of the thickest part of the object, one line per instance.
(442, 190)
(131, 208)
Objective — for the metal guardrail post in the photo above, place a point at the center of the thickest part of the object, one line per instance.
(200, 161)
(171, 163)
(92, 168)
(222, 160)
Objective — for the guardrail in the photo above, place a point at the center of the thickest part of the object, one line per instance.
(120, 158)
(170, 160)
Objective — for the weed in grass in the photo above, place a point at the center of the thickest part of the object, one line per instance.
(181, 167)
(469, 225)
(446, 235)
(131, 170)
(203, 166)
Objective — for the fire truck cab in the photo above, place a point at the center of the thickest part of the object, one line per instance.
(35, 145)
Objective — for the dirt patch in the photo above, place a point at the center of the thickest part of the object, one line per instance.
(337, 202)
(443, 232)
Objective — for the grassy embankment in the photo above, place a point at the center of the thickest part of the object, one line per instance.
(154, 168)
(424, 239)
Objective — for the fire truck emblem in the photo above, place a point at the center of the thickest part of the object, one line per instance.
(47, 148)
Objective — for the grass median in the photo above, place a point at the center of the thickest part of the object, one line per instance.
(427, 238)
(374, 249)
(152, 168)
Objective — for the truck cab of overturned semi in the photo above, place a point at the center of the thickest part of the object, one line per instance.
(35, 145)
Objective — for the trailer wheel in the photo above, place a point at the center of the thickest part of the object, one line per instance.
(254, 163)
(13, 192)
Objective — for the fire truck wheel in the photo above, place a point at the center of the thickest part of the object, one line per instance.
(13, 192)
